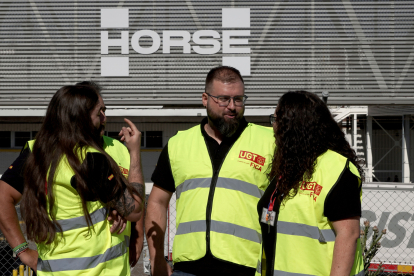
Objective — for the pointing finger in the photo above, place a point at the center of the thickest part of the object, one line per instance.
(131, 125)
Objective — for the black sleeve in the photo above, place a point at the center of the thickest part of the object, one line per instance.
(162, 175)
(99, 179)
(343, 201)
(14, 174)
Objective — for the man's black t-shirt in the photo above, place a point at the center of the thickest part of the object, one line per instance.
(163, 178)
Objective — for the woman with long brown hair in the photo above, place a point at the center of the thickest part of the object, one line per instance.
(72, 178)
(310, 211)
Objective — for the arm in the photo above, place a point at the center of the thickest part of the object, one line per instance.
(155, 224)
(347, 234)
(9, 223)
(131, 206)
(137, 241)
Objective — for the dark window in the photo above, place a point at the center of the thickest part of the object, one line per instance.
(5, 139)
(153, 139)
(142, 139)
(34, 134)
(21, 137)
(114, 135)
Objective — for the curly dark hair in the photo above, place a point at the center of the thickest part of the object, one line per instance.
(304, 129)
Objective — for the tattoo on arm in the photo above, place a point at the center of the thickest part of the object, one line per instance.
(126, 204)
(140, 188)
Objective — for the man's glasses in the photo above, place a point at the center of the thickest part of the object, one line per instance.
(225, 100)
(272, 119)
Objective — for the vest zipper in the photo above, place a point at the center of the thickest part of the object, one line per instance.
(211, 195)
(210, 199)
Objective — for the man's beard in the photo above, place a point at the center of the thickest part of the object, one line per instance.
(226, 127)
(98, 133)
(101, 130)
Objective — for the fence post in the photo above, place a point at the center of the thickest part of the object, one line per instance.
(368, 177)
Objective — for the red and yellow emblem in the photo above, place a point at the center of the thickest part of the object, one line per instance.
(124, 171)
(256, 161)
(311, 189)
(111, 176)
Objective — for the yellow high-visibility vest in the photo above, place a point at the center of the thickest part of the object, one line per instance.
(218, 209)
(77, 251)
(305, 238)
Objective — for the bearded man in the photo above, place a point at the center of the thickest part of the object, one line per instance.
(218, 171)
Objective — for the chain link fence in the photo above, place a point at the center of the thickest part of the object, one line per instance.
(171, 230)
(386, 205)
(390, 207)
(8, 262)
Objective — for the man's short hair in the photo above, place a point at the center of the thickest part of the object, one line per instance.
(225, 74)
(92, 84)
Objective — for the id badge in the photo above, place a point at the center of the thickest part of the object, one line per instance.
(268, 217)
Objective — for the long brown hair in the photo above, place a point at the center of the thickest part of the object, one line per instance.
(304, 130)
(67, 130)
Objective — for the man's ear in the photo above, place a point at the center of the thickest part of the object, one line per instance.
(204, 98)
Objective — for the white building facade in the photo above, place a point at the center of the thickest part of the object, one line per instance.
(152, 57)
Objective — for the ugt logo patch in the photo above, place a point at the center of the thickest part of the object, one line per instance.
(124, 171)
(256, 161)
(314, 188)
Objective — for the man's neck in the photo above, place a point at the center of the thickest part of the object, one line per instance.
(213, 132)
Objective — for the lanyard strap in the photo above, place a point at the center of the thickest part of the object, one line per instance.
(272, 200)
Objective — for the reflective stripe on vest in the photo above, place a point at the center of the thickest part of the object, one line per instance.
(259, 267)
(227, 183)
(80, 222)
(298, 229)
(283, 227)
(284, 273)
(219, 227)
(85, 262)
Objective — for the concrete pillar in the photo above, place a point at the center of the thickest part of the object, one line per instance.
(354, 133)
(368, 176)
(405, 148)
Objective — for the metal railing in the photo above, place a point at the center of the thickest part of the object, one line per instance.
(386, 205)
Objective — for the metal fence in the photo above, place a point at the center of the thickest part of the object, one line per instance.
(170, 231)
(8, 262)
(391, 206)
(386, 205)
